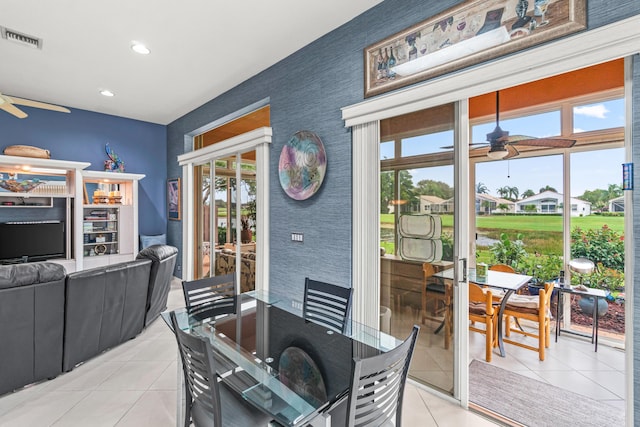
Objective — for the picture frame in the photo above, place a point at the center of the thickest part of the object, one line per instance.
(173, 199)
(467, 34)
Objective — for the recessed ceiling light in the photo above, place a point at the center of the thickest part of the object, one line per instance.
(140, 48)
(106, 92)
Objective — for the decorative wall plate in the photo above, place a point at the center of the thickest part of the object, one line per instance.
(302, 166)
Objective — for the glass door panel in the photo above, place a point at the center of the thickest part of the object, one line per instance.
(417, 203)
(597, 233)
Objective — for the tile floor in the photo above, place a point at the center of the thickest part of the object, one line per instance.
(135, 385)
(570, 364)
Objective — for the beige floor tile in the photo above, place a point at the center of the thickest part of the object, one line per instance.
(99, 409)
(135, 375)
(153, 409)
(43, 409)
(156, 349)
(168, 380)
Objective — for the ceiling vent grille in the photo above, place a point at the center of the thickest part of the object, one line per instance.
(21, 38)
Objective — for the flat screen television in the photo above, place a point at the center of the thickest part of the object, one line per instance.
(31, 241)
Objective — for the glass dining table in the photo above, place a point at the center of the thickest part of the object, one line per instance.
(288, 367)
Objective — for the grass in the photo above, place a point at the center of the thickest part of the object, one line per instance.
(519, 223)
(542, 234)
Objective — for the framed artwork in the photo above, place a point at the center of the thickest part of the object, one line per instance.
(470, 33)
(173, 199)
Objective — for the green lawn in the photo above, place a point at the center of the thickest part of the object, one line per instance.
(516, 223)
(541, 234)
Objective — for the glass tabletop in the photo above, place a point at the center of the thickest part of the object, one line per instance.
(249, 342)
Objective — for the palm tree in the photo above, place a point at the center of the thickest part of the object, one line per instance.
(548, 188)
(504, 191)
(513, 193)
(481, 188)
(527, 193)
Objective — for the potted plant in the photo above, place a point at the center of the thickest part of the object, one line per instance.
(245, 234)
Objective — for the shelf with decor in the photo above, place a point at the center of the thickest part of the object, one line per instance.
(110, 217)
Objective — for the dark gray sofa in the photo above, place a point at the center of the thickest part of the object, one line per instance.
(164, 261)
(50, 321)
(104, 307)
(31, 323)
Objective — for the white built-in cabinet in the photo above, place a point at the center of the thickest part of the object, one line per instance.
(98, 231)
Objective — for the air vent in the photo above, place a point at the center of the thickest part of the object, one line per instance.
(21, 38)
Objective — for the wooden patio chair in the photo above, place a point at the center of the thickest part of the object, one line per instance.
(481, 310)
(535, 309)
(441, 294)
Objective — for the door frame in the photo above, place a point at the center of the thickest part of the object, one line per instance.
(258, 140)
(618, 40)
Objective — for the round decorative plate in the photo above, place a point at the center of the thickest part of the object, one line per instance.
(298, 371)
(302, 166)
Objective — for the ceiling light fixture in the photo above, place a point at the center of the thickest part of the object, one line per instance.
(140, 48)
(497, 153)
(106, 92)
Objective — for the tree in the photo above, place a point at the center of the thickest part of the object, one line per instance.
(430, 187)
(599, 198)
(548, 188)
(527, 193)
(504, 191)
(503, 207)
(387, 193)
(513, 193)
(481, 188)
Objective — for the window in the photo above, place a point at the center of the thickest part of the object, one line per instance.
(598, 116)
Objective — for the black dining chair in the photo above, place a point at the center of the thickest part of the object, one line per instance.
(208, 290)
(209, 402)
(377, 386)
(326, 304)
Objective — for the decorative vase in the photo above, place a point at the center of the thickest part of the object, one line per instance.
(586, 305)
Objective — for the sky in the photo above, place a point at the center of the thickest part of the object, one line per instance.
(590, 170)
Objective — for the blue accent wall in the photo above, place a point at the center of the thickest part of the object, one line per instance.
(81, 136)
(306, 91)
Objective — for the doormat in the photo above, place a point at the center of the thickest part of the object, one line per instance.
(534, 403)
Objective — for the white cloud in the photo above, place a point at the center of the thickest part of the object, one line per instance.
(578, 130)
(598, 111)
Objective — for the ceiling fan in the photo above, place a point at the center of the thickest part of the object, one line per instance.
(500, 145)
(7, 104)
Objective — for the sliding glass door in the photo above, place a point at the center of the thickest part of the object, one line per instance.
(418, 232)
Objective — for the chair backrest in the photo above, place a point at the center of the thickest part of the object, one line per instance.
(209, 289)
(502, 267)
(428, 270)
(480, 298)
(201, 386)
(327, 304)
(377, 385)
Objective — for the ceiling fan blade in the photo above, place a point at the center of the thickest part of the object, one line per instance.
(541, 142)
(513, 151)
(12, 109)
(37, 104)
(471, 144)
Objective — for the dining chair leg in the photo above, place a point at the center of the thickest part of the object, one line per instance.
(489, 343)
(507, 326)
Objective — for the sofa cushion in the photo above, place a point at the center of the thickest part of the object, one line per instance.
(147, 240)
(30, 273)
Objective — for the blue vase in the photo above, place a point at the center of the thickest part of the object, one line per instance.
(586, 305)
